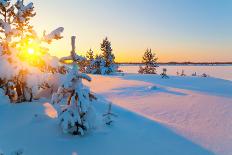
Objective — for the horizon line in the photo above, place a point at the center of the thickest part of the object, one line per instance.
(174, 62)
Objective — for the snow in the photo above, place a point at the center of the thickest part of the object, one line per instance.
(5, 26)
(50, 110)
(178, 116)
(219, 71)
(196, 108)
(55, 34)
(36, 134)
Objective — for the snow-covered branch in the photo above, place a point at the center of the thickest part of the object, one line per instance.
(55, 34)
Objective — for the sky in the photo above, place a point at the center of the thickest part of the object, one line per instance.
(176, 30)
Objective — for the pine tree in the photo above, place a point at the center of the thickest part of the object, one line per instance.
(90, 55)
(108, 56)
(78, 115)
(108, 115)
(194, 74)
(17, 36)
(204, 75)
(182, 73)
(150, 62)
(22, 18)
(164, 74)
(90, 61)
(7, 11)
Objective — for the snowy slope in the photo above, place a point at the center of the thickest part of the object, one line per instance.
(176, 116)
(33, 129)
(198, 109)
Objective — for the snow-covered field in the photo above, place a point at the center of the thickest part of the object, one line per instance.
(176, 116)
(219, 71)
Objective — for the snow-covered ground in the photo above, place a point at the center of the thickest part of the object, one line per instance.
(176, 116)
(199, 109)
(219, 71)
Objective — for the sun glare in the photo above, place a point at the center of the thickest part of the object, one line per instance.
(30, 51)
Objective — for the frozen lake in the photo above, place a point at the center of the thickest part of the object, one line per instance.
(219, 71)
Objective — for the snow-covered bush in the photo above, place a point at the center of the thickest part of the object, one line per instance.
(204, 75)
(77, 116)
(24, 63)
(150, 62)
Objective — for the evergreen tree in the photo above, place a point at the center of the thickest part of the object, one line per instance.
(108, 115)
(78, 115)
(17, 37)
(90, 61)
(182, 73)
(99, 65)
(108, 56)
(164, 74)
(96, 66)
(7, 11)
(22, 18)
(83, 64)
(90, 55)
(150, 62)
(194, 74)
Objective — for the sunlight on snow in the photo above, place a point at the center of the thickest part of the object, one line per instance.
(50, 111)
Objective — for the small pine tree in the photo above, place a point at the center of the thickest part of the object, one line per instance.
(150, 61)
(194, 74)
(204, 75)
(78, 115)
(97, 65)
(108, 115)
(90, 55)
(182, 73)
(164, 74)
(90, 61)
(108, 56)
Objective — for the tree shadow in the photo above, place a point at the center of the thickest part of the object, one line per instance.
(145, 90)
(134, 134)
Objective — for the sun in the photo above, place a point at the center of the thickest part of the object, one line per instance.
(31, 51)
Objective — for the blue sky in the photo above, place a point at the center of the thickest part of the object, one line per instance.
(177, 30)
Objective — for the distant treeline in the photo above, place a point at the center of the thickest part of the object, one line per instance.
(181, 63)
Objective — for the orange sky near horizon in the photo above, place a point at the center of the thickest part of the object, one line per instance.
(173, 32)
